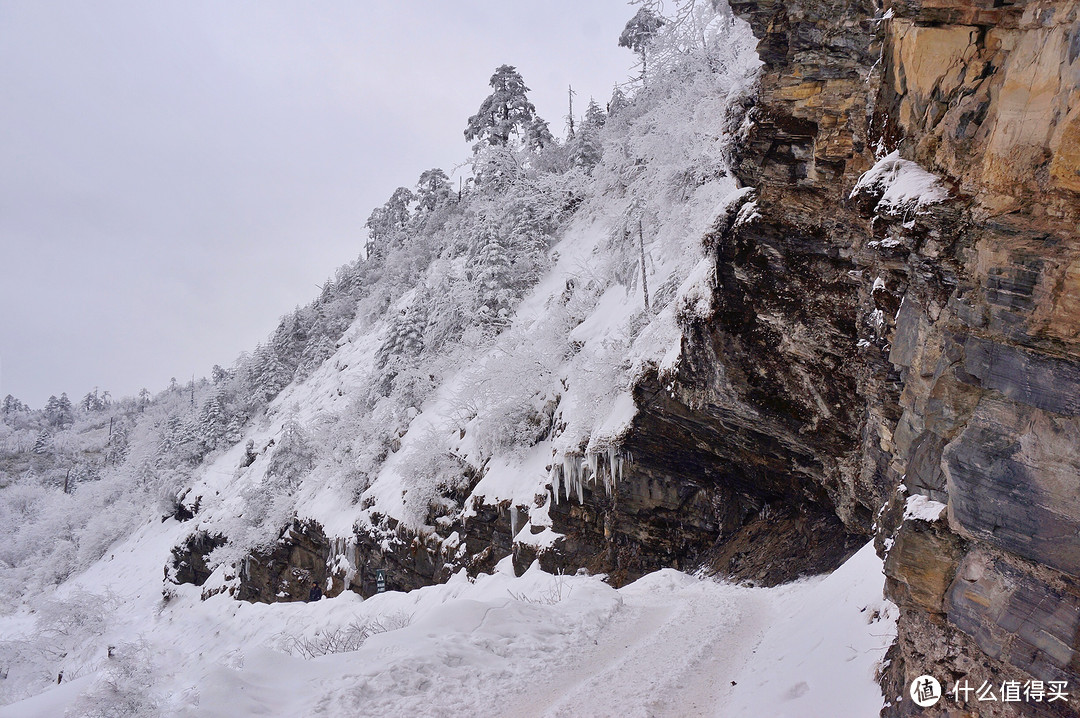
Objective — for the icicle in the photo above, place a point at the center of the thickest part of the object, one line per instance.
(581, 482)
(556, 475)
(592, 458)
(569, 471)
(513, 520)
(609, 479)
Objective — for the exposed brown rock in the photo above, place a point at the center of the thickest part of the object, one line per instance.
(967, 390)
(286, 571)
(922, 564)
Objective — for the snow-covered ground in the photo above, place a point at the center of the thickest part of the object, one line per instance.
(669, 644)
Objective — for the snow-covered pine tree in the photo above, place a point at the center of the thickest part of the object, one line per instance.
(234, 430)
(318, 349)
(506, 112)
(293, 456)
(219, 375)
(43, 443)
(271, 375)
(494, 280)
(432, 190)
(376, 227)
(639, 33)
(211, 423)
(387, 221)
(617, 103)
(528, 243)
(398, 208)
(585, 148)
(59, 413)
(538, 135)
(92, 401)
(405, 337)
(11, 406)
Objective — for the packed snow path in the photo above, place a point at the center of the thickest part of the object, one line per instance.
(659, 656)
(536, 645)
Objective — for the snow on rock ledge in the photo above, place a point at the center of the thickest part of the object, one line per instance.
(921, 508)
(903, 184)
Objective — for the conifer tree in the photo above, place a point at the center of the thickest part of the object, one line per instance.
(538, 135)
(405, 337)
(92, 402)
(585, 148)
(505, 112)
(11, 406)
(271, 374)
(384, 221)
(42, 443)
(617, 103)
(494, 280)
(398, 209)
(59, 412)
(212, 423)
(293, 457)
(639, 32)
(432, 190)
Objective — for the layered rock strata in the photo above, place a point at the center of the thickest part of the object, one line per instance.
(967, 310)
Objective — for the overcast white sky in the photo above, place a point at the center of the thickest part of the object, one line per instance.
(176, 175)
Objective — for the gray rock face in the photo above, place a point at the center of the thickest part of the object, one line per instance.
(1015, 617)
(1013, 482)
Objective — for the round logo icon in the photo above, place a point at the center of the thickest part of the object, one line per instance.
(925, 691)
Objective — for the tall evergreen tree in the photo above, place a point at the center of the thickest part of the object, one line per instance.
(617, 103)
(59, 413)
(212, 423)
(585, 148)
(494, 280)
(271, 375)
(405, 337)
(11, 406)
(639, 32)
(384, 221)
(432, 190)
(505, 112)
(538, 135)
(92, 401)
(42, 443)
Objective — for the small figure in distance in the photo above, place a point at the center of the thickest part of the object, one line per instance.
(315, 593)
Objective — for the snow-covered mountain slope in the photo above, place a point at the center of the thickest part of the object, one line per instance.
(398, 438)
(536, 645)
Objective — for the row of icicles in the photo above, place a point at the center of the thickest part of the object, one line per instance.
(594, 466)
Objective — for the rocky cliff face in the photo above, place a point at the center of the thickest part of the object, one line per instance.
(964, 387)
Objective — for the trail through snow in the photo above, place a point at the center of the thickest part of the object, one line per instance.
(534, 646)
(665, 653)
